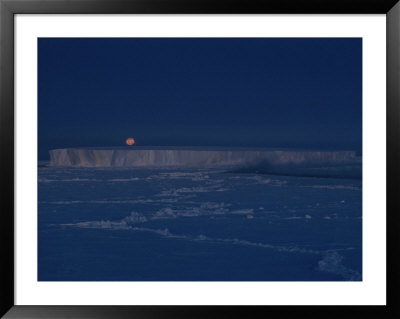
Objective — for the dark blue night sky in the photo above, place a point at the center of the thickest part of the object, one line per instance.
(255, 92)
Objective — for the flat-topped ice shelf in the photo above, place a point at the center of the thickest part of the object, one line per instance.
(191, 157)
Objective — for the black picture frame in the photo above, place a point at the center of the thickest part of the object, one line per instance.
(8, 8)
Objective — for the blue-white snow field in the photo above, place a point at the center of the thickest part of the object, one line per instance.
(288, 216)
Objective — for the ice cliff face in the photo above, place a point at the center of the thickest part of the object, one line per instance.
(192, 158)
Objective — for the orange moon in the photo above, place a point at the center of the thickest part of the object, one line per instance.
(130, 141)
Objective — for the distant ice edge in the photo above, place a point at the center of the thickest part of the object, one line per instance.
(312, 163)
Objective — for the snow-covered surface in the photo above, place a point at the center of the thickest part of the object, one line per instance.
(191, 224)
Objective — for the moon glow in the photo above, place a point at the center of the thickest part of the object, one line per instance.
(130, 141)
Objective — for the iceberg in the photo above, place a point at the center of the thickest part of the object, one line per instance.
(291, 162)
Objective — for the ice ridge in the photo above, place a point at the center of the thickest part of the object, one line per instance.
(245, 159)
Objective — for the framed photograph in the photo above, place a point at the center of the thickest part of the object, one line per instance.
(165, 159)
